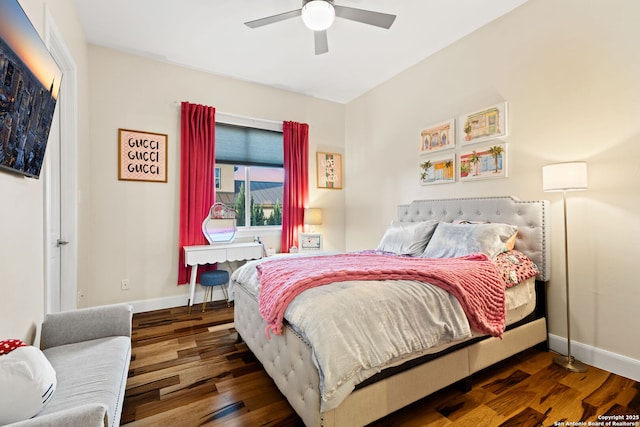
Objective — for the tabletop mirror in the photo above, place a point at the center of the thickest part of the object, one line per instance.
(220, 224)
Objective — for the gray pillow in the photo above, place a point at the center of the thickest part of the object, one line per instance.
(455, 240)
(407, 238)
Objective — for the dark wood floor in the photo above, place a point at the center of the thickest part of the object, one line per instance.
(189, 370)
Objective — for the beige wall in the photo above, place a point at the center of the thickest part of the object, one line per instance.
(133, 226)
(569, 72)
(22, 216)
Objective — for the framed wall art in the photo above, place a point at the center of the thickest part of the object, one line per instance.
(483, 162)
(483, 125)
(438, 171)
(142, 156)
(310, 242)
(329, 170)
(436, 137)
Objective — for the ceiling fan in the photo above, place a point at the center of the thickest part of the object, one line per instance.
(318, 15)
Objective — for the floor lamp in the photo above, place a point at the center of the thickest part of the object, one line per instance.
(566, 177)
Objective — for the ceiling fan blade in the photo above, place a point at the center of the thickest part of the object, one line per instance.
(322, 45)
(273, 19)
(379, 19)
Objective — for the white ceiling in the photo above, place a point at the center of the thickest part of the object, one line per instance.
(210, 35)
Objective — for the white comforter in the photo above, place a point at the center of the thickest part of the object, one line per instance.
(356, 329)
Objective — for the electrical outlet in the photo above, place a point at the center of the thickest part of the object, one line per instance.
(124, 285)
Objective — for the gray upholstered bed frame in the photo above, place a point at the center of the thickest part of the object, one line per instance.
(287, 358)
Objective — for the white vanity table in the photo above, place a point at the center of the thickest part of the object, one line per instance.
(217, 253)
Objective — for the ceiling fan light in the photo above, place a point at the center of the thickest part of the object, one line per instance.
(318, 15)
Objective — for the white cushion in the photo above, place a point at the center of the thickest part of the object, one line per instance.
(456, 240)
(407, 238)
(27, 383)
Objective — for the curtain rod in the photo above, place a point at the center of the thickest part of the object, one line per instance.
(236, 119)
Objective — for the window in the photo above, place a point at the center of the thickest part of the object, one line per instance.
(251, 176)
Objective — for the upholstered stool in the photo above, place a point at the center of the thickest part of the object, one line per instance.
(208, 280)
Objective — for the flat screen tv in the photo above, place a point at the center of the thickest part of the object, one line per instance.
(29, 85)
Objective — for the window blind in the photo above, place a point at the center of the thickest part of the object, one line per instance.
(248, 146)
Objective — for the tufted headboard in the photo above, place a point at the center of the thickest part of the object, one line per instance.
(531, 218)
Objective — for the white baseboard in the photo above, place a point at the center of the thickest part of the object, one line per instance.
(141, 306)
(603, 359)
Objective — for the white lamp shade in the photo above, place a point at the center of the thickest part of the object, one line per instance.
(313, 216)
(565, 177)
(318, 15)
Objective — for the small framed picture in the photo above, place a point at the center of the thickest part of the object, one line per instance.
(329, 170)
(436, 137)
(484, 162)
(142, 156)
(310, 242)
(438, 171)
(483, 125)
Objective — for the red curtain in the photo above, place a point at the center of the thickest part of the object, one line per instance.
(296, 181)
(197, 189)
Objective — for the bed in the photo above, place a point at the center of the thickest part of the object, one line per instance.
(286, 351)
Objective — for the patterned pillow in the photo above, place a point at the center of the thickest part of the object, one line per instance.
(515, 267)
(7, 346)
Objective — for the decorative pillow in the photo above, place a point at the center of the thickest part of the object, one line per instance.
(407, 238)
(511, 243)
(7, 346)
(28, 381)
(515, 267)
(456, 240)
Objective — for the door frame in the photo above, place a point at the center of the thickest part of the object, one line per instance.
(68, 170)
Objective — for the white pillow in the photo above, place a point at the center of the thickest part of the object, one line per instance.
(27, 383)
(407, 238)
(456, 240)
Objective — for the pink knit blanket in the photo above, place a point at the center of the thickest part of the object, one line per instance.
(474, 280)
